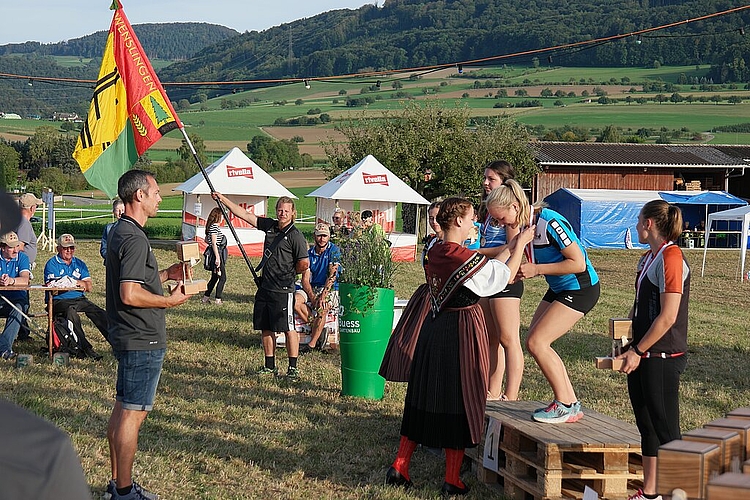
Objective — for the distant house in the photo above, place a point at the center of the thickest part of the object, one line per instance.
(65, 117)
(656, 167)
(10, 116)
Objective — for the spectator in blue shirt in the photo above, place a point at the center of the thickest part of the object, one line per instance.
(14, 271)
(324, 259)
(72, 302)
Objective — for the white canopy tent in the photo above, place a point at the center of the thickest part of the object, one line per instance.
(241, 180)
(741, 215)
(377, 189)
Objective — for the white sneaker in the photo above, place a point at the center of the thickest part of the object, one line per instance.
(205, 299)
(217, 302)
(640, 496)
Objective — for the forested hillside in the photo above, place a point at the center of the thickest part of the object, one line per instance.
(415, 33)
(173, 41)
(405, 34)
(34, 97)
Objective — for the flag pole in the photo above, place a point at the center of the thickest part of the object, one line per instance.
(221, 205)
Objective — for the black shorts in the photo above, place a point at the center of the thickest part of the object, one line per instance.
(582, 300)
(273, 311)
(512, 291)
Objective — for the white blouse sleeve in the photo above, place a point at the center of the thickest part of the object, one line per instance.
(492, 278)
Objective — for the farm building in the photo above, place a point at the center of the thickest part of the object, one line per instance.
(659, 167)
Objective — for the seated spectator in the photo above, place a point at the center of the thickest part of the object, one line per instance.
(14, 271)
(118, 208)
(323, 273)
(338, 228)
(72, 302)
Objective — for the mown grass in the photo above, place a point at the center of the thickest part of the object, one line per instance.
(219, 433)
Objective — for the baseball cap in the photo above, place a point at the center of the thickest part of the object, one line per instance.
(28, 200)
(10, 239)
(66, 240)
(366, 214)
(322, 229)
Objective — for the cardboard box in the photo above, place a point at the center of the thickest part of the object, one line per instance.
(609, 363)
(187, 250)
(620, 327)
(729, 486)
(727, 440)
(741, 427)
(687, 465)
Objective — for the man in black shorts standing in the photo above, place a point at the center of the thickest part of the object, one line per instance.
(285, 256)
(137, 325)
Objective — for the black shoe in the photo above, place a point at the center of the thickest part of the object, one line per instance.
(304, 349)
(394, 478)
(321, 343)
(91, 353)
(449, 489)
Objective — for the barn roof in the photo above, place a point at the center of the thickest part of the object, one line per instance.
(598, 154)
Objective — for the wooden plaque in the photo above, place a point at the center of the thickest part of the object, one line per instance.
(187, 250)
(609, 363)
(620, 327)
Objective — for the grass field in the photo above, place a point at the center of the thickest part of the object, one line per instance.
(219, 433)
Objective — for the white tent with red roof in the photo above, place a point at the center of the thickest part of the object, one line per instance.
(377, 189)
(242, 181)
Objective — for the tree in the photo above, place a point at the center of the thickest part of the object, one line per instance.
(9, 161)
(610, 134)
(186, 155)
(183, 104)
(423, 136)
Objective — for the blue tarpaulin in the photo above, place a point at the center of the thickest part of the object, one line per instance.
(601, 217)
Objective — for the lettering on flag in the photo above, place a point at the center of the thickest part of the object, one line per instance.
(375, 179)
(240, 172)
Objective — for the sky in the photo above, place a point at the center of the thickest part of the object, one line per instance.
(49, 21)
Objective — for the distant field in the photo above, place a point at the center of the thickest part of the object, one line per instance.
(222, 129)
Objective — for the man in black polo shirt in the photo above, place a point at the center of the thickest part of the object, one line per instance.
(282, 261)
(137, 326)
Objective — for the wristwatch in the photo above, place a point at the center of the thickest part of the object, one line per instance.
(637, 351)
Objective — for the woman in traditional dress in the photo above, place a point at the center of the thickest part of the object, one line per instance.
(447, 390)
(502, 311)
(657, 354)
(573, 291)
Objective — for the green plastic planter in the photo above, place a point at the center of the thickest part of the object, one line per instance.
(363, 337)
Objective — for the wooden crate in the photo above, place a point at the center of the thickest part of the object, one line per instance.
(741, 413)
(729, 486)
(541, 461)
(727, 440)
(687, 465)
(740, 426)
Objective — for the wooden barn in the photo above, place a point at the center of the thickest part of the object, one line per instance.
(655, 167)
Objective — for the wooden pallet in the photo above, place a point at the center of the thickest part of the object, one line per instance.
(547, 461)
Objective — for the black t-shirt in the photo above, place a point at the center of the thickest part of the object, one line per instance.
(279, 271)
(129, 258)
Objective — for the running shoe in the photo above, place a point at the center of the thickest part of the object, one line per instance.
(558, 413)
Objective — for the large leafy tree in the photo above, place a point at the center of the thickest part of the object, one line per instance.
(9, 160)
(427, 138)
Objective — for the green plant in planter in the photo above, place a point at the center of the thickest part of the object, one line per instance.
(366, 262)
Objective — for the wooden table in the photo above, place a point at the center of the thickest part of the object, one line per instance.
(54, 290)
